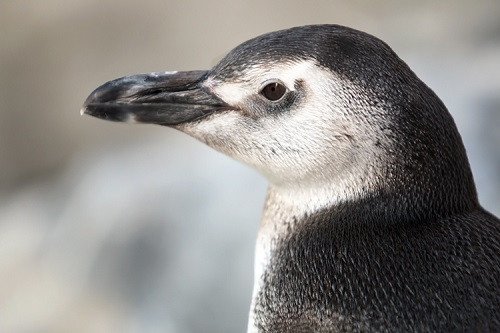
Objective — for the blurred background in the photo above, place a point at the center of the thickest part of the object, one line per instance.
(108, 227)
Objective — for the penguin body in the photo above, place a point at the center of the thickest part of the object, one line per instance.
(338, 272)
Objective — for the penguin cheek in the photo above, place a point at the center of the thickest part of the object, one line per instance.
(273, 147)
(228, 132)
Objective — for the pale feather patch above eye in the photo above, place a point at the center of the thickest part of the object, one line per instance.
(255, 80)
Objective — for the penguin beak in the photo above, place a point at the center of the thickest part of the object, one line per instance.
(169, 99)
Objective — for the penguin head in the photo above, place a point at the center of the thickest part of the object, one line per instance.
(312, 105)
(287, 119)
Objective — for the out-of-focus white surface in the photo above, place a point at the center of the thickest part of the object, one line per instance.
(115, 228)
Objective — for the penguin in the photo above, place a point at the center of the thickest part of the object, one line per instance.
(372, 221)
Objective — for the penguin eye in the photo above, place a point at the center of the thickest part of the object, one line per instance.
(273, 91)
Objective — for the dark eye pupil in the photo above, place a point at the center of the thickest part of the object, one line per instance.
(274, 91)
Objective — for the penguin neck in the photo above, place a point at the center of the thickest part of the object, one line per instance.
(286, 208)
